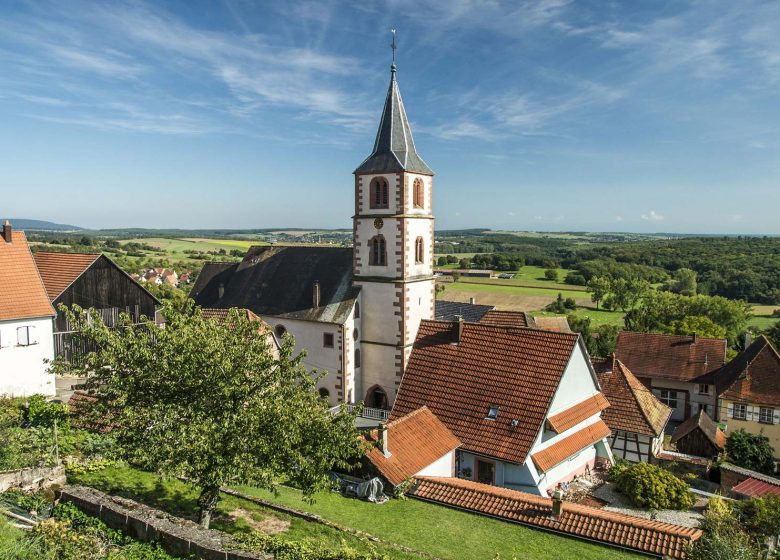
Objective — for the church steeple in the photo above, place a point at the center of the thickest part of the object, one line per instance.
(394, 149)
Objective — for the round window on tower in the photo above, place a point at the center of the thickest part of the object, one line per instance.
(378, 223)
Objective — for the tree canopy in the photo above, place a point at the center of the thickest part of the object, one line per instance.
(751, 451)
(210, 401)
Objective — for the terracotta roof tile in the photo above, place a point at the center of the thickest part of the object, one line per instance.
(577, 413)
(508, 319)
(633, 407)
(755, 488)
(747, 473)
(60, 270)
(558, 324)
(753, 376)
(615, 529)
(414, 442)
(517, 370)
(558, 452)
(707, 425)
(670, 356)
(22, 294)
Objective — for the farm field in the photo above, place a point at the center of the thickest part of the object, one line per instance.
(179, 245)
(512, 298)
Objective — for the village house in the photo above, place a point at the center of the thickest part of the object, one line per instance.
(91, 281)
(524, 403)
(749, 392)
(635, 416)
(679, 369)
(354, 310)
(25, 321)
(699, 436)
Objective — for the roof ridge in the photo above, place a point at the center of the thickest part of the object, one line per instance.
(667, 335)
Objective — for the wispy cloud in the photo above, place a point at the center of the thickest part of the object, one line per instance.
(652, 216)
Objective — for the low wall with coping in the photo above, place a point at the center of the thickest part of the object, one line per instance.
(177, 536)
(32, 479)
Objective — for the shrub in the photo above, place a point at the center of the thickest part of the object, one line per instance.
(551, 274)
(751, 451)
(569, 303)
(617, 469)
(652, 487)
(575, 278)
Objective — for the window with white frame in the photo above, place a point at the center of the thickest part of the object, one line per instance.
(25, 336)
(766, 415)
(669, 398)
(740, 412)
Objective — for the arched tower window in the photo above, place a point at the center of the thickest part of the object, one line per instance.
(376, 398)
(379, 193)
(378, 255)
(419, 193)
(357, 357)
(419, 251)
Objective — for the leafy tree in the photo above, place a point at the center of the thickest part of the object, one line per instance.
(442, 261)
(575, 278)
(464, 263)
(684, 281)
(551, 274)
(209, 401)
(599, 341)
(702, 326)
(773, 334)
(599, 287)
(557, 306)
(751, 451)
(760, 517)
(723, 537)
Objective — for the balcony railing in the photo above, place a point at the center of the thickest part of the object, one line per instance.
(367, 412)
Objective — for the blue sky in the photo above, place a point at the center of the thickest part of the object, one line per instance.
(546, 115)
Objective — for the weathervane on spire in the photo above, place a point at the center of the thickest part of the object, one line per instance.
(392, 46)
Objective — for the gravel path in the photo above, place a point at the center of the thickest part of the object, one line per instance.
(620, 504)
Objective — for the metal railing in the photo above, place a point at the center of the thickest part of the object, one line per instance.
(367, 412)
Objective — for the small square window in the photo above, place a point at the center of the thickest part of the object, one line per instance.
(327, 340)
(704, 389)
(740, 412)
(492, 413)
(766, 415)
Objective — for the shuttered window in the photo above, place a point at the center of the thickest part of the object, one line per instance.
(740, 412)
(766, 415)
(25, 336)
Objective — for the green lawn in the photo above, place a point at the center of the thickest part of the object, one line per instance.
(446, 533)
(474, 285)
(597, 318)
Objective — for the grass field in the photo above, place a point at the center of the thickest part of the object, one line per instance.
(179, 245)
(597, 317)
(434, 530)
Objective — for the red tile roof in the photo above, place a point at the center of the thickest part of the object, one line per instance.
(753, 376)
(508, 319)
(558, 452)
(517, 370)
(559, 324)
(614, 529)
(633, 408)
(22, 294)
(754, 488)
(670, 356)
(577, 413)
(60, 270)
(414, 442)
(706, 425)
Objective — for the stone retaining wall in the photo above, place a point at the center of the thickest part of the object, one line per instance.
(177, 536)
(32, 479)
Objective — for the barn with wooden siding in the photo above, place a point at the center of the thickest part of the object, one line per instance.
(91, 281)
(700, 436)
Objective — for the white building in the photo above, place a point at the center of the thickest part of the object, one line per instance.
(26, 321)
(524, 403)
(354, 311)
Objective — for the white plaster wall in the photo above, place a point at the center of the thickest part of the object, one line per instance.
(694, 397)
(563, 471)
(420, 302)
(409, 198)
(577, 383)
(392, 180)
(444, 466)
(365, 232)
(419, 228)
(632, 452)
(22, 368)
(308, 336)
(379, 369)
(379, 321)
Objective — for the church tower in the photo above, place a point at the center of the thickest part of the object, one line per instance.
(393, 251)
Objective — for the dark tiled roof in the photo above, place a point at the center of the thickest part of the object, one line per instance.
(394, 149)
(508, 319)
(279, 281)
(22, 294)
(60, 270)
(753, 376)
(414, 442)
(558, 452)
(517, 370)
(615, 529)
(633, 408)
(703, 422)
(671, 356)
(601, 365)
(578, 413)
(471, 312)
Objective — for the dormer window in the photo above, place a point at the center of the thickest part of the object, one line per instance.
(492, 413)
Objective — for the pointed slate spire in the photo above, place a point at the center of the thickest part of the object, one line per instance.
(394, 147)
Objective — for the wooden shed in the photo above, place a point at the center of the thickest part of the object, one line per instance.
(700, 436)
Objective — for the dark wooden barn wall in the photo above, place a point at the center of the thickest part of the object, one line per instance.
(696, 443)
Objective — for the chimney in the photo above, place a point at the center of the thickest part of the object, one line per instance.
(458, 332)
(472, 300)
(383, 435)
(315, 294)
(748, 338)
(7, 231)
(557, 503)
(220, 291)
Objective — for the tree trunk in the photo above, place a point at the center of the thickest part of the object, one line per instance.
(207, 502)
